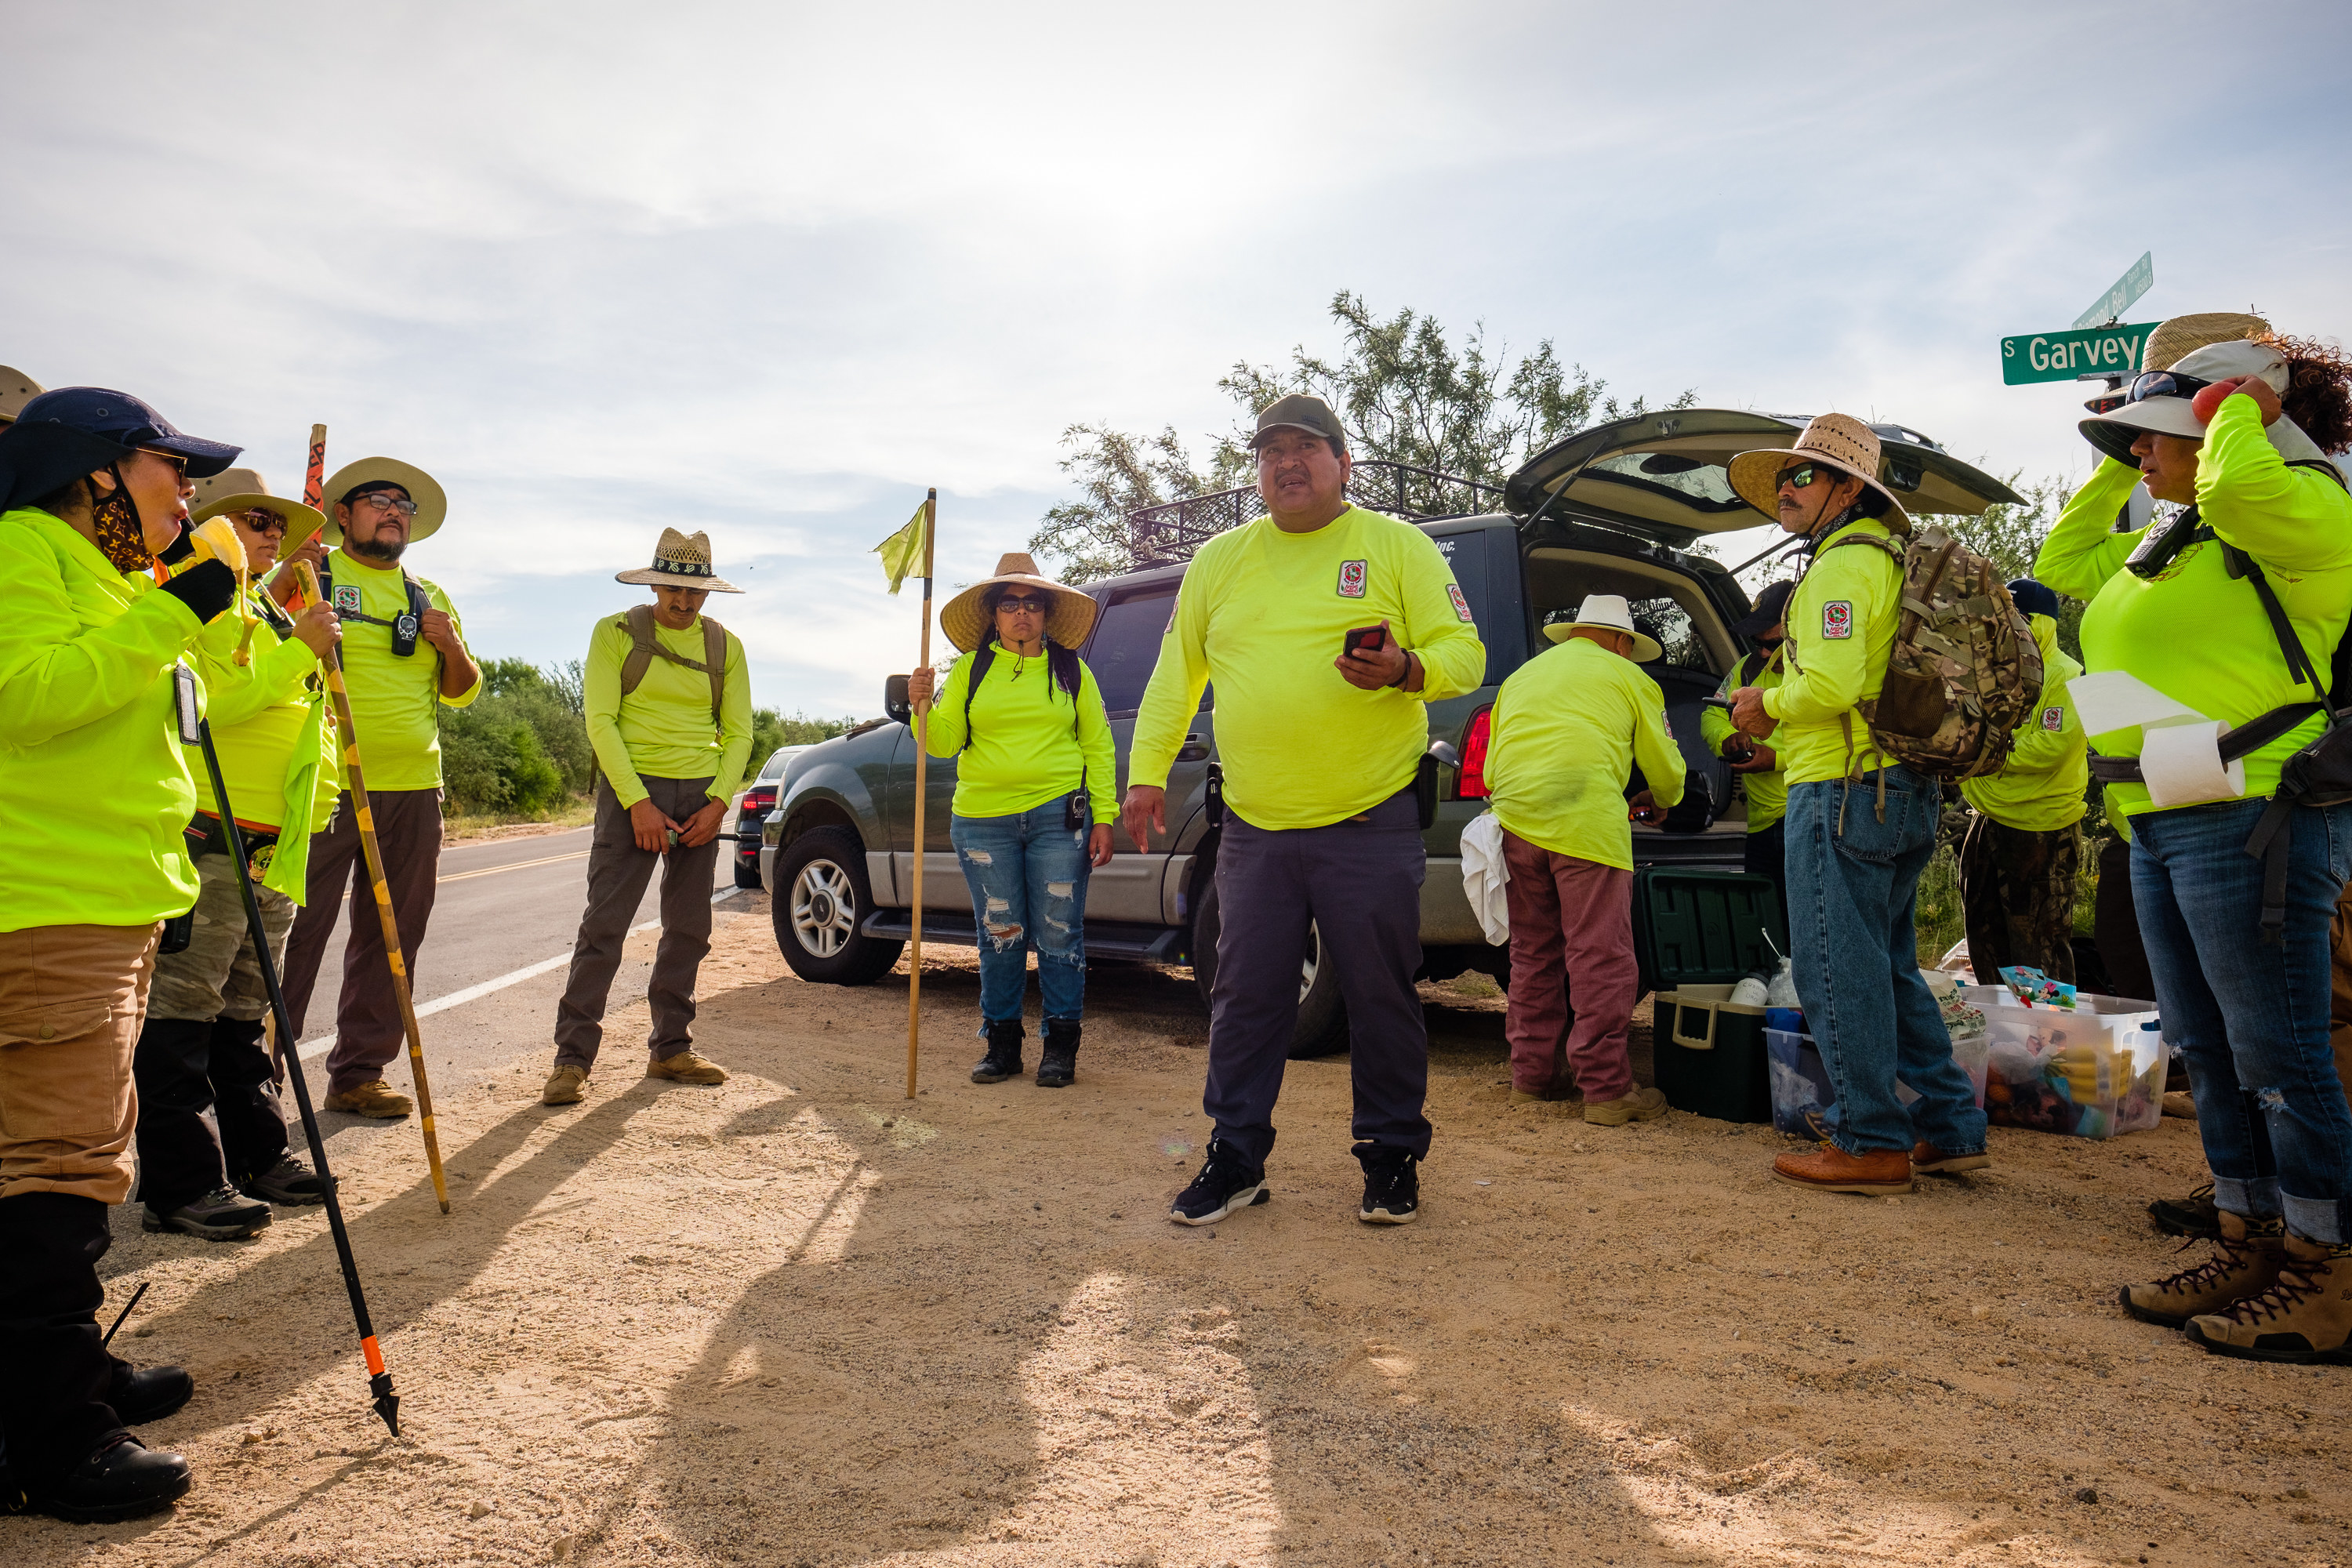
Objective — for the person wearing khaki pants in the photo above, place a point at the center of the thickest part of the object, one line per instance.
(94, 791)
(668, 705)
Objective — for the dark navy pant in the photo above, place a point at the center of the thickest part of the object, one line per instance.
(1360, 883)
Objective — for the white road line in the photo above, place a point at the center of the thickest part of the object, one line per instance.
(318, 1046)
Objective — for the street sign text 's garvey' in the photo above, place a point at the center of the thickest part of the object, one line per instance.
(2071, 355)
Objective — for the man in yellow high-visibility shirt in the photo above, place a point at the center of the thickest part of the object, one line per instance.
(1764, 853)
(669, 704)
(404, 658)
(1568, 728)
(1319, 730)
(1861, 827)
(2020, 858)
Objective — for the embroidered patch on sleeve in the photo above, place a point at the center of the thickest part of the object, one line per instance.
(1667, 720)
(1172, 616)
(1461, 605)
(1837, 620)
(2053, 718)
(1351, 579)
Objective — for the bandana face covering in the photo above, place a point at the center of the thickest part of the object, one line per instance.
(120, 538)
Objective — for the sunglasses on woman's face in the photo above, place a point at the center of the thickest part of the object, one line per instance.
(264, 522)
(1019, 607)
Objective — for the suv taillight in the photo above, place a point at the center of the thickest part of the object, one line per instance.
(761, 800)
(1472, 785)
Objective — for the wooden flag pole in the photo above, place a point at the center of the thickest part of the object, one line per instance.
(922, 759)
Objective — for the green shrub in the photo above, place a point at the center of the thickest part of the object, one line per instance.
(521, 748)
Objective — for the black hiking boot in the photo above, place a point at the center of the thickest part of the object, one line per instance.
(221, 1215)
(1057, 1063)
(1392, 1185)
(140, 1395)
(122, 1480)
(1227, 1181)
(2193, 1216)
(1004, 1058)
(291, 1181)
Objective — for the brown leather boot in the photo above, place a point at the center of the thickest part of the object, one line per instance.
(2246, 1260)
(2306, 1315)
(1881, 1172)
(1927, 1160)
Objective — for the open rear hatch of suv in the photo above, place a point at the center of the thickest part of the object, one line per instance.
(1664, 475)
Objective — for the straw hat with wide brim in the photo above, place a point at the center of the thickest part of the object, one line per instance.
(2177, 338)
(432, 506)
(965, 621)
(16, 389)
(303, 523)
(680, 561)
(1607, 613)
(1837, 441)
(2114, 432)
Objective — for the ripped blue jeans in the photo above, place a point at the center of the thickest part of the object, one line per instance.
(1027, 873)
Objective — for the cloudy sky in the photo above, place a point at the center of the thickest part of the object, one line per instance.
(770, 270)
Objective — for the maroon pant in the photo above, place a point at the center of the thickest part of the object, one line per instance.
(367, 1018)
(1571, 937)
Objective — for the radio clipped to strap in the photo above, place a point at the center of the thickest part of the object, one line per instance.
(406, 627)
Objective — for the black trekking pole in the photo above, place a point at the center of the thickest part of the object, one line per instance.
(387, 1403)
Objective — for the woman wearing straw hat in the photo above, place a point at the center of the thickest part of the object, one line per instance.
(212, 1152)
(2234, 609)
(1036, 792)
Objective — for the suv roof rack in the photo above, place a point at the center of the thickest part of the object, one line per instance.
(1164, 534)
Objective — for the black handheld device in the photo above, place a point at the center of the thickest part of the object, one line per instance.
(1366, 639)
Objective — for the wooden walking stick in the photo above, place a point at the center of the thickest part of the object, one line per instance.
(386, 1403)
(333, 664)
(922, 757)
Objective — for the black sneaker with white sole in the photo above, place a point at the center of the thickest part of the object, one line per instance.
(221, 1215)
(1228, 1181)
(291, 1181)
(1391, 1185)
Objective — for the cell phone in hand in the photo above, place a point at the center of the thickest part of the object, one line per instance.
(1365, 639)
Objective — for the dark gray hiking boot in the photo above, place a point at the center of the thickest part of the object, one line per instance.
(221, 1215)
(1057, 1064)
(1004, 1058)
(291, 1181)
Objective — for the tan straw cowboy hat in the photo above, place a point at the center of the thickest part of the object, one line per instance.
(1607, 613)
(2182, 335)
(233, 492)
(1837, 441)
(680, 561)
(432, 506)
(1072, 617)
(16, 389)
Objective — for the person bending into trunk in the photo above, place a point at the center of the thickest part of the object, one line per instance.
(2235, 892)
(669, 704)
(1860, 828)
(213, 1151)
(1567, 727)
(1036, 782)
(1319, 732)
(2023, 850)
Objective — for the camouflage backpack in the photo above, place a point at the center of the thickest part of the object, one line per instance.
(1963, 671)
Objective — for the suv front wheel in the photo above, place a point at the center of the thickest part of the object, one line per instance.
(821, 897)
(1322, 1016)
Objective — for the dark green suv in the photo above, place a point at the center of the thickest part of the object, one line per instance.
(1612, 509)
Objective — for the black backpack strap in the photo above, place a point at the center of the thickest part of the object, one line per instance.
(981, 657)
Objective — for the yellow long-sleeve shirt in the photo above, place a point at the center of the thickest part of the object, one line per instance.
(1767, 791)
(663, 729)
(278, 754)
(2041, 786)
(1264, 613)
(1028, 743)
(1567, 727)
(2196, 634)
(1841, 623)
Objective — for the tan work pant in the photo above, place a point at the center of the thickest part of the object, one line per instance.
(71, 1002)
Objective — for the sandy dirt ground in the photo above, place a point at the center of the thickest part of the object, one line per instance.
(797, 1319)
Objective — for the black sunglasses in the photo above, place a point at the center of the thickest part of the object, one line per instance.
(1033, 605)
(1801, 475)
(2153, 383)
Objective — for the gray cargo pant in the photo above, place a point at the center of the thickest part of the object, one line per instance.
(1359, 880)
(617, 873)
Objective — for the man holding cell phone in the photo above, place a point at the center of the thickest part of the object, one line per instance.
(1326, 628)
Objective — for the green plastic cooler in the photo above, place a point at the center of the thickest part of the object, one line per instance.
(1695, 934)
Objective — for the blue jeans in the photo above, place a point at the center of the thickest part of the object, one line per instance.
(2251, 1018)
(1852, 886)
(1027, 873)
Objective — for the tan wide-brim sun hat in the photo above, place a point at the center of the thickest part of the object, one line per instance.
(432, 506)
(303, 523)
(16, 389)
(1067, 622)
(1607, 613)
(1837, 441)
(2180, 336)
(680, 561)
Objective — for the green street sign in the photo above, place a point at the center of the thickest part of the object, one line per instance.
(2123, 293)
(2072, 355)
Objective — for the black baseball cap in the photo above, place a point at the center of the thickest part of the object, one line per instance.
(1771, 608)
(126, 422)
(2032, 598)
(1299, 411)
